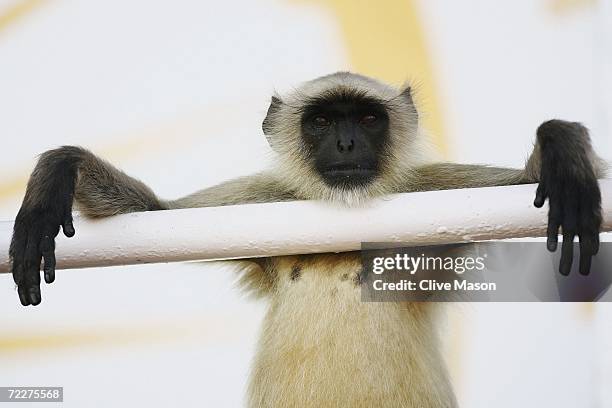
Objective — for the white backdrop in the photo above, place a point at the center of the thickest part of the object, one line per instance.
(174, 93)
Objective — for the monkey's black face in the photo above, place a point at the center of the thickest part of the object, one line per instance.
(346, 139)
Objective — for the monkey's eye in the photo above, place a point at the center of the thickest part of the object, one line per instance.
(368, 119)
(321, 121)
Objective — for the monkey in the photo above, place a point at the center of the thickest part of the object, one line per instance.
(345, 139)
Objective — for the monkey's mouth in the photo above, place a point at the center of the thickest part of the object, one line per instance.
(348, 174)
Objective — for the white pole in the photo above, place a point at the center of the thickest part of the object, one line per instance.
(257, 230)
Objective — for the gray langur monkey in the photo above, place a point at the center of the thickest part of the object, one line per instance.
(343, 138)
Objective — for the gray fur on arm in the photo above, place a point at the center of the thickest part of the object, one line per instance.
(448, 176)
(445, 176)
(103, 190)
(257, 188)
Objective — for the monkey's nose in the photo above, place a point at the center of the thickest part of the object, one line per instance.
(345, 146)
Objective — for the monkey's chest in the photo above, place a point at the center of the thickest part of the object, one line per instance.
(317, 303)
(321, 343)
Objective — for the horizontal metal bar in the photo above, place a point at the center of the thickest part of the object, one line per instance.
(302, 227)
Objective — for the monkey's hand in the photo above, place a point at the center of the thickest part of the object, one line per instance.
(47, 206)
(568, 179)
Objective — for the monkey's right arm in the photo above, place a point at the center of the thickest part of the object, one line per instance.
(72, 174)
(62, 176)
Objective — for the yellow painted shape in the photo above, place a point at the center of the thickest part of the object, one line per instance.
(587, 311)
(16, 11)
(385, 39)
(208, 328)
(563, 7)
(12, 187)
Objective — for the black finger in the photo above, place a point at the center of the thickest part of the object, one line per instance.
(553, 236)
(33, 257)
(19, 278)
(590, 225)
(540, 196)
(34, 293)
(68, 227)
(567, 253)
(589, 246)
(17, 267)
(47, 247)
(596, 244)
(18, 271)
(23, 295)
(586, 255)
(554, 222)
(17, 254)
(17, 250)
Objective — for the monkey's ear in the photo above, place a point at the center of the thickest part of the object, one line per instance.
(406, 95)
(269, 121)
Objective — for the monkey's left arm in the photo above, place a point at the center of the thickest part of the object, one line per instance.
(566, 168)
